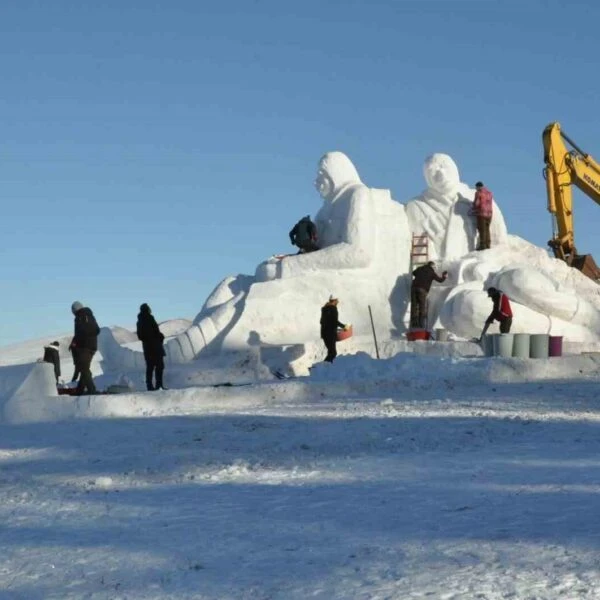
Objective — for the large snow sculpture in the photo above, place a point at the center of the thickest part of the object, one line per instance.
(365, 247)
(365, 261)
(442, 211)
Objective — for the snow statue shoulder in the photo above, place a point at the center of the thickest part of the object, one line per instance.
(443, 210)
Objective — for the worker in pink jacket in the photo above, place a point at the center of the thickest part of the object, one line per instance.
(483, 209)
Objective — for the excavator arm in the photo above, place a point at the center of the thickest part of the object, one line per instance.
(567, 167)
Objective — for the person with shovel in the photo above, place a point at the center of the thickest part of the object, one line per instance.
(502, 312)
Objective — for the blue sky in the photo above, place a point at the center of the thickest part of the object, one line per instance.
(148, 149)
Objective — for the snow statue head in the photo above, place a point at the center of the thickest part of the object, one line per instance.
(441, 173)
(336, 171)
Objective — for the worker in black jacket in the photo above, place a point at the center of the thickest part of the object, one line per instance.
(51, 356)
(423, 277)
(304, 235)
(84, 345)
(329, 327)
(152, 343)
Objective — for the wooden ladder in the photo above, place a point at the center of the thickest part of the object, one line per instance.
(419, 255)
(419, 251)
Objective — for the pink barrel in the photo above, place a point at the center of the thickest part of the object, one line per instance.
(555, 345)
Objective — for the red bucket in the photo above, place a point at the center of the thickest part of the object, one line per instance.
(555, 345)
(417, 334)
(344, 334)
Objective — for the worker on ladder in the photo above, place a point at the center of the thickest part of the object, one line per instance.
(423, 277)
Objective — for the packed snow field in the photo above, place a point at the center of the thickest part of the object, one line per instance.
(412, 477)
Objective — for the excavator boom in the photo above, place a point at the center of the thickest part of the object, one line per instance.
(567, 167)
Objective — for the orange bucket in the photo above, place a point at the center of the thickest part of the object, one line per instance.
(344, 334)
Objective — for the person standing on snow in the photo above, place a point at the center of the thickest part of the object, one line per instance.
(304, 235)
(483, 209)
(84, 344)
(329, 327)
(423, 277)
(501, 312)
(51, 356)
(152, 343)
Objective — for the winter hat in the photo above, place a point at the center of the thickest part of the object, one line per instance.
(76, 306)
(55, 343)
(144, 308)
(332, 298)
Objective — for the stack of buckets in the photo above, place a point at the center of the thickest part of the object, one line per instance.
(522, 345)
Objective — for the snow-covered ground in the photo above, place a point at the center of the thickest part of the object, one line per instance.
(418, 476)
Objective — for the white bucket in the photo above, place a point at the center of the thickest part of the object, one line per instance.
(521, 345)
(503, 345)
(539, 345)
(441, 335)
(488, 344)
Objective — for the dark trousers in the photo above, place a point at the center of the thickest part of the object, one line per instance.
(83, 362)
(505, 325)
(155, 365)
(306, 247)
(483, 228)
(76, 371)
(330, 344)
(418, 307)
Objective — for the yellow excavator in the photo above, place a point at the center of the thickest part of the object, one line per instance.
(567, 167)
